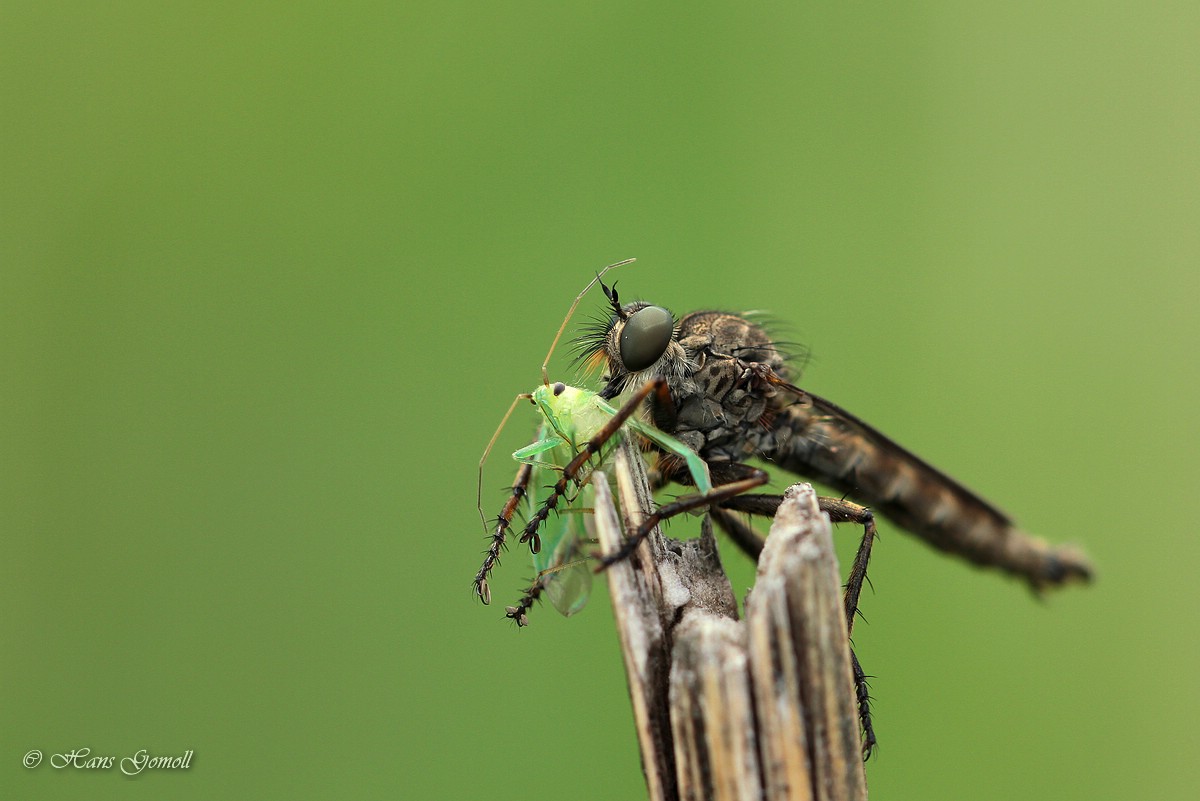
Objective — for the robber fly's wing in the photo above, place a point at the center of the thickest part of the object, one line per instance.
(839, 424)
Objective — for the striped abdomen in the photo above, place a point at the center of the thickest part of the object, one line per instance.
(819, 440)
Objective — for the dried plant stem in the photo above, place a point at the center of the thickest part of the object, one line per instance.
(726, 709)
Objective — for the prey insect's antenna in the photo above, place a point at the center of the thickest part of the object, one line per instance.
(488, 450)
(563, 327)
(545, 381)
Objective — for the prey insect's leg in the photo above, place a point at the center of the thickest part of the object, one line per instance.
(571, 470)
(756, 478)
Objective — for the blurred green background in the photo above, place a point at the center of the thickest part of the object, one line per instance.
(271, 273)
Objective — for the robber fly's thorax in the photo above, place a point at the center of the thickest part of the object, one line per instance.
(713, 364)
(720, 407)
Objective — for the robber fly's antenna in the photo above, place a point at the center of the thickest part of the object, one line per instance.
(563, 327)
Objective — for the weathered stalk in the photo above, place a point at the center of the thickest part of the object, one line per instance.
(726, 709)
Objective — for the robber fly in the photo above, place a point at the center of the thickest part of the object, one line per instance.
(731, 399)
(728, 396)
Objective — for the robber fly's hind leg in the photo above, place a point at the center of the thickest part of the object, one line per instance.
(862, 694)
(843, 511)
(492, 556)
(839, 511)
(742, 533)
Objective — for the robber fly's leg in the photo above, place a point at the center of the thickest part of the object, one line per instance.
(756, 478)
(534, 593)
(671, 468)
(839, 511)
(492, 557)
(863, 695)
(531, 595)
(589, 449)
(843, 511)
(743, 535)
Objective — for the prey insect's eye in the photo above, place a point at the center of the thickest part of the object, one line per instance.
(645, 337)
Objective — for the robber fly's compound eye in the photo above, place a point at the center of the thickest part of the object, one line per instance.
(645, 337)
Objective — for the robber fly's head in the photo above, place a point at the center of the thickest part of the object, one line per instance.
(637, 341)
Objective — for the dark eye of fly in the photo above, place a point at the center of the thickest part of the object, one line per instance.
(645, 337)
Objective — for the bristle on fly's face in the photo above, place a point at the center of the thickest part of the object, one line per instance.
(588, 347)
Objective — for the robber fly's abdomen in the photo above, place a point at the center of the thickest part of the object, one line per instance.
(841, 451)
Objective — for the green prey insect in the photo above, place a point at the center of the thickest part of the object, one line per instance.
(577, 434)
